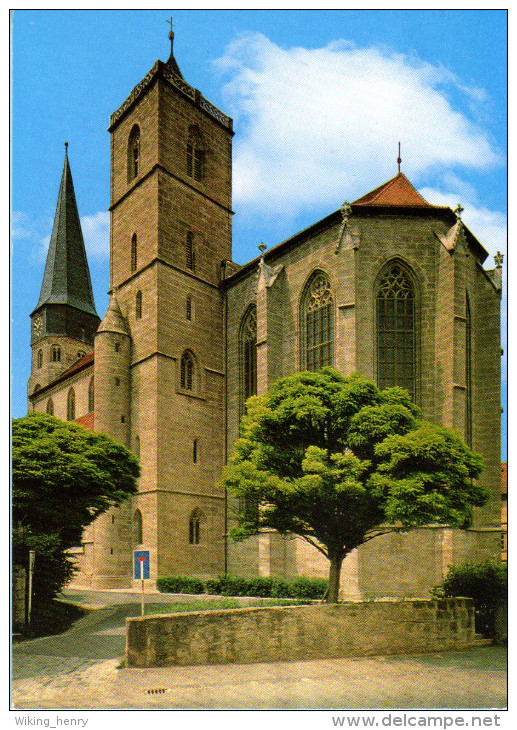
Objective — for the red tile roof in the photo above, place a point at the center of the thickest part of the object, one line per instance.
(397, 191)
(78, 365)
(87, 421)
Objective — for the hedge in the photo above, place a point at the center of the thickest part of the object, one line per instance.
(486, 583)
(261, 587)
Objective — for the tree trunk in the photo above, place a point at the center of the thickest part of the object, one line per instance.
(334, 577)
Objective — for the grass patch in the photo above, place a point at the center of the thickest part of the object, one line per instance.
(218, 604)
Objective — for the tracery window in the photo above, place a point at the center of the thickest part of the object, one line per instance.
(133, 252)
(317, 323)
(133, 153)
(195, 155)
(91, 396)
(187, 371)
(50, 407)
(194, 527)
(396, 362)
(248, 354)
(70, 405)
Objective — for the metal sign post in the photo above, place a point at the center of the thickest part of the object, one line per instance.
(32, 558)
(141, 568)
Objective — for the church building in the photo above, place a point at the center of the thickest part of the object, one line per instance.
(389, 286)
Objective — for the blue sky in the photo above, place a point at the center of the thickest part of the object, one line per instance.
(320, 99)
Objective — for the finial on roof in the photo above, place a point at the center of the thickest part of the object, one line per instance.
(171, 63)
(399, 159)
(262, 247)
(346, 210)
(458, 210)
(66, 149)
(498, 259)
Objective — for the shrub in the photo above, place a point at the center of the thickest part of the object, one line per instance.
(486, 583)
(180, 584)
(308, 587)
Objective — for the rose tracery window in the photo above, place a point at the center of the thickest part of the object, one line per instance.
(318, 323)
(396, 331)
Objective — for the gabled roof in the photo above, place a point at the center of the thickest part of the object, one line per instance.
(67, 277)
(397, 191)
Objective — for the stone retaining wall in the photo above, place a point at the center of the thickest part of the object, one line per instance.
(283, 633)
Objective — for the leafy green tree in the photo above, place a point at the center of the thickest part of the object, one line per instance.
(338, 463)
(63, 477)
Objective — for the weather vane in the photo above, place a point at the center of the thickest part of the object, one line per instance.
(399, 158)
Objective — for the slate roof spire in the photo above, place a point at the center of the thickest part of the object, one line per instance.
(67, 277)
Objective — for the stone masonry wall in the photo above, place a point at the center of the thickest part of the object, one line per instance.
(283, 633)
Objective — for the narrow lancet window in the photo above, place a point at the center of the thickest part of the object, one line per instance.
(248, 354)
(133, 153)
(70, 405)
(187, 371)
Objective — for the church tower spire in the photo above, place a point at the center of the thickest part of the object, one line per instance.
(171, 63)
(67, 277)
(64, 320)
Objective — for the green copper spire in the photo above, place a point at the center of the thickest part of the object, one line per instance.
(67, 276)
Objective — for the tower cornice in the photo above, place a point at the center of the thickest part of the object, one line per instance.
(162, 70)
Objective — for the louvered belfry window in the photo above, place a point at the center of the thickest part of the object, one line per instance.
(187, 371)
(396, 331)
(318, 321)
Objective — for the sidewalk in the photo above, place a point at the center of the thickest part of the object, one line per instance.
(83, 669)
(459, 680)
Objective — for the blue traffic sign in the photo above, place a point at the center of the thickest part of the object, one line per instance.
(141, 564)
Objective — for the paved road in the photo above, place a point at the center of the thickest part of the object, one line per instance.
(82, 669)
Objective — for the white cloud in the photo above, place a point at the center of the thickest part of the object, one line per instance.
(317, 124)
(96, 234)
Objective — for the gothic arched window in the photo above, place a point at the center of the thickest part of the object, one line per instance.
(195, 155)
(138, 305)
(133, 252)
(138, 532)
(187, 371)
(91, 396)
(468, 373)
(248, 354)
(50, 407)
(133, 153)
(317, 323)
(189, 251)
(55, 353)
(395, 300)
(194, 527)
(70, 405)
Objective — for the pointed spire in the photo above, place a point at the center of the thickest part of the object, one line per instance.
(171, 63)
(67, 277)
(113, 320)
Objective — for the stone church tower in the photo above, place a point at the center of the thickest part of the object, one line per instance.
(389, 286)
(159, 360)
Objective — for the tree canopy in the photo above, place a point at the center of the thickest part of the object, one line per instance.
(338, 462)
(63, 476)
